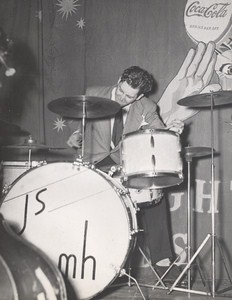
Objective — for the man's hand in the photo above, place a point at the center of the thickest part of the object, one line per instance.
(193, 77)
(176, 126)
(75, 140)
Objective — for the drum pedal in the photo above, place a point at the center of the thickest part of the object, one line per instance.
(123, 273)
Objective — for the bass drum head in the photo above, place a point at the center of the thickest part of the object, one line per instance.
(79, 218)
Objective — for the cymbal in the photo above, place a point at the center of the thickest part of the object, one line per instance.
(197, 151)
(72, 107)
(31, 144)
(204, 100)
(33, 147)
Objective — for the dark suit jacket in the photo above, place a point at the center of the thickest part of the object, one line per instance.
(98, 132)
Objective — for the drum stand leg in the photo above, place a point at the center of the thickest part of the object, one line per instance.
(189, 259)
(160, 281)
(132, 279)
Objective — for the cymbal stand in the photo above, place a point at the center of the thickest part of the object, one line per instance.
(189, 160)
(210, 236)
(83, 123)
(29, 158)
(213, 234)
(83, 127)
(189, 242)
(30, 141)
(213, 201)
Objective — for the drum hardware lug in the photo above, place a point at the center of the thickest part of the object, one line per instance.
(124, 192)
(6, 188)
(42, 163)
(88, 165)
(114, 169)
(181, 178)
(127, 192)
(79, 162)
(137, 207)
(77, 165)
(124, 179)
(120, 191)
(136, 231)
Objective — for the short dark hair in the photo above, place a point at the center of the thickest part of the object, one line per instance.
(138, 78)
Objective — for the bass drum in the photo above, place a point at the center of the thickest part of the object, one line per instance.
(80, 217)
(25, 271)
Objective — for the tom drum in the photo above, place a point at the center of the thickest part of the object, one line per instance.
(151, 159)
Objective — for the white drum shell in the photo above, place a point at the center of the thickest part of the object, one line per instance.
(78, 212)
(151, 159)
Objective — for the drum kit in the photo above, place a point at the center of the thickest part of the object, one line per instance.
(77, 214)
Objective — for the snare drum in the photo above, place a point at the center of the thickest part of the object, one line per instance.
(79, 217)
(151, 159)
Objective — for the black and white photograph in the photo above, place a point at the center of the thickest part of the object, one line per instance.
(115, 149)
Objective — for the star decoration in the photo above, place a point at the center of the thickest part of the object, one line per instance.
(81, 23)
(67, 7)
(59, 124)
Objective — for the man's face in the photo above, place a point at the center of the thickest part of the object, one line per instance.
(125, 94)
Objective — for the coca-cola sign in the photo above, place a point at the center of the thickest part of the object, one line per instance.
(207, 20)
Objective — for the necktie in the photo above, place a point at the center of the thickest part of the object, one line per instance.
(118, 128)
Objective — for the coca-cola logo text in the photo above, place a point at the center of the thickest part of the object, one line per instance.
(216, 10)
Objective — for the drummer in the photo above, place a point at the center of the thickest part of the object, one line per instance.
(139, 112)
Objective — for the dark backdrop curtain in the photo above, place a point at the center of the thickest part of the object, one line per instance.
(150, 34)
(48, 54)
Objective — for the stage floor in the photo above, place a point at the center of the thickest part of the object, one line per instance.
(126, 292)
(123, 289)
